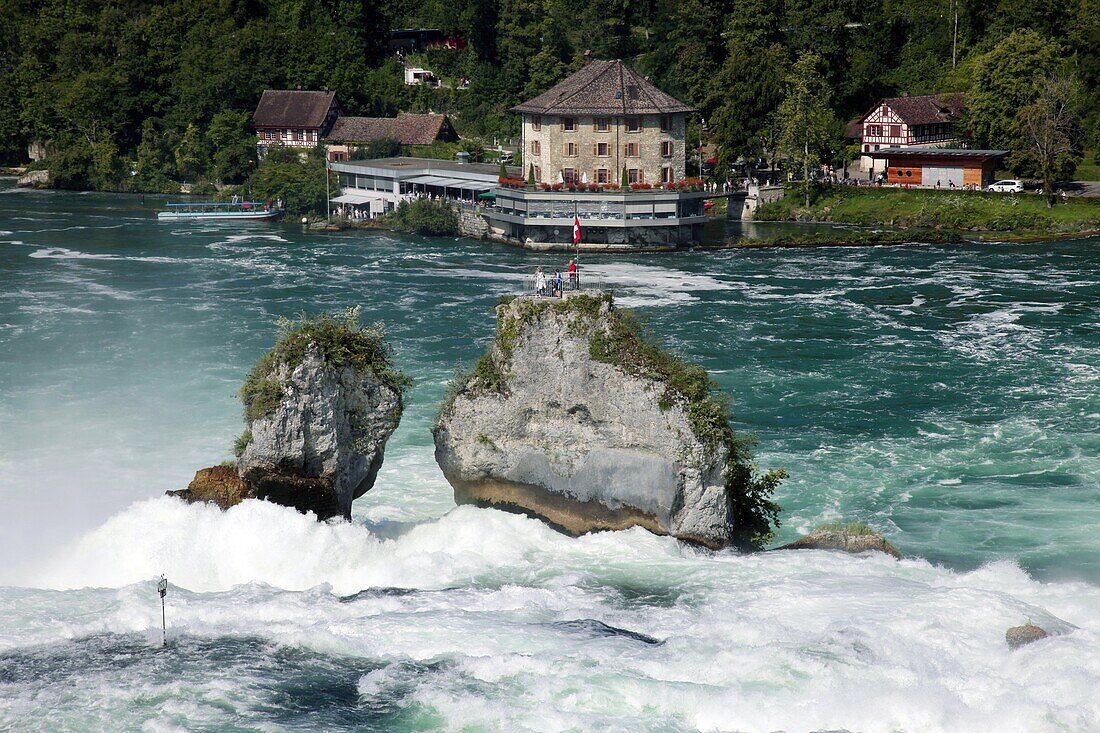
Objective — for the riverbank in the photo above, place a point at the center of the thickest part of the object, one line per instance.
(970, 214)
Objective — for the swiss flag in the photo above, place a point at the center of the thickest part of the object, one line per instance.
(576, 230)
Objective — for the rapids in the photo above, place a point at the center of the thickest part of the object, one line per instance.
(948, 396)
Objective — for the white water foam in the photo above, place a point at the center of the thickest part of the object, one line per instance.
(796, 640)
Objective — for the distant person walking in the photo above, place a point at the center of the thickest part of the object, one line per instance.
(540, 281)
(573, 281)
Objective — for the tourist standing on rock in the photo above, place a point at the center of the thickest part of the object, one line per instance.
(572, 274)
(540, 281)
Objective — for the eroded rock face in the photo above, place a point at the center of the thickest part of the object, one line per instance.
(322, 446)
(839, 539)
(578, 442)
(218, 485)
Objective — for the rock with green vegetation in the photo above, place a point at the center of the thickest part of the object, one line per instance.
(855, 537)
(1019, 636)
(574, 416)
(320, 407)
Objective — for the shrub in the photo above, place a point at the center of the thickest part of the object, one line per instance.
(424, 216)
(342, 342)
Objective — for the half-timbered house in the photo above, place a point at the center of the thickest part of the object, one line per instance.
(900, 122)
(293, 118)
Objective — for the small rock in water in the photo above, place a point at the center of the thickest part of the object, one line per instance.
(219, 485)
(854, 538)
(1018, 636)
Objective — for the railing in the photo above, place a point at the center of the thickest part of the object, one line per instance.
(583, 282)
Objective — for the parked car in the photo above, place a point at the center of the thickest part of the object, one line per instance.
(1009, 185)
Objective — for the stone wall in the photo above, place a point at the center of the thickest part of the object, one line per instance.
(471, 223)
(552, 139)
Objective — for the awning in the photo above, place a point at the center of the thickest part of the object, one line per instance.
(487, 195)
(356, 198)
(442, 182)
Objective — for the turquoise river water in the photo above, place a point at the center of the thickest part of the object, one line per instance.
(947, 396)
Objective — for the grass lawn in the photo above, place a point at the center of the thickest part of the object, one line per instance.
(1024, 215)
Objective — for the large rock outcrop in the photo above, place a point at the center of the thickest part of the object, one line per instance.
(574, 418)
(320, 408)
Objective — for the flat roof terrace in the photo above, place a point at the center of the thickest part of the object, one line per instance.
(403, 168)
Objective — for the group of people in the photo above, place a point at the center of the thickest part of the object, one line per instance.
(552, 287)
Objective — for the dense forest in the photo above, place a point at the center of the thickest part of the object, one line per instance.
(135, 94)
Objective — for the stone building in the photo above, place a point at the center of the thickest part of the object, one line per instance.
(601, 120)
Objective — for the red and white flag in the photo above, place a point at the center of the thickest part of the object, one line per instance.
(576, 230)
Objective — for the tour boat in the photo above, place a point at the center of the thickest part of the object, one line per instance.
(229, 210)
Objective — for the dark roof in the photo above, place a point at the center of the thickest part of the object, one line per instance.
(604, 88)
(938, 152)
(291, 108)
(854, 128)
(924, 110)
(406, 128)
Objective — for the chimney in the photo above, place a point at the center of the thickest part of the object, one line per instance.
(587, 56)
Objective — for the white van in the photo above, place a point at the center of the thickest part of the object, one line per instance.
(1009, 185)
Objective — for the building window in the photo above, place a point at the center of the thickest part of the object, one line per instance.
(269, 134)
(603, 175)
(666, 174)
(866, 148)
(666, 123)
(601, 150)
(536, 147)
(568, 124)
(633, 124)
(634, 175)
(568, 175)
(895, 130)
(536, 123)
(298, 136)
(630, 150)
(603, 124)
(571, 150)
(874, 130)
(666, 149)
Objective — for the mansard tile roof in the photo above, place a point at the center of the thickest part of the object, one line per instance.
(927, 109)
(292, 108)
(603, 88)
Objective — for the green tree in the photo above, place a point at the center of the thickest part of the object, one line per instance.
(189, 154)
(804, 121)
(749, 92)
(1051, 126)
(1005, 81)
(299, 183)
(232, 145)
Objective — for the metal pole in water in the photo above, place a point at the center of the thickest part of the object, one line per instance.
(162, 588)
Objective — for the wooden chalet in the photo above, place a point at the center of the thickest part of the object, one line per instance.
(293, 118)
